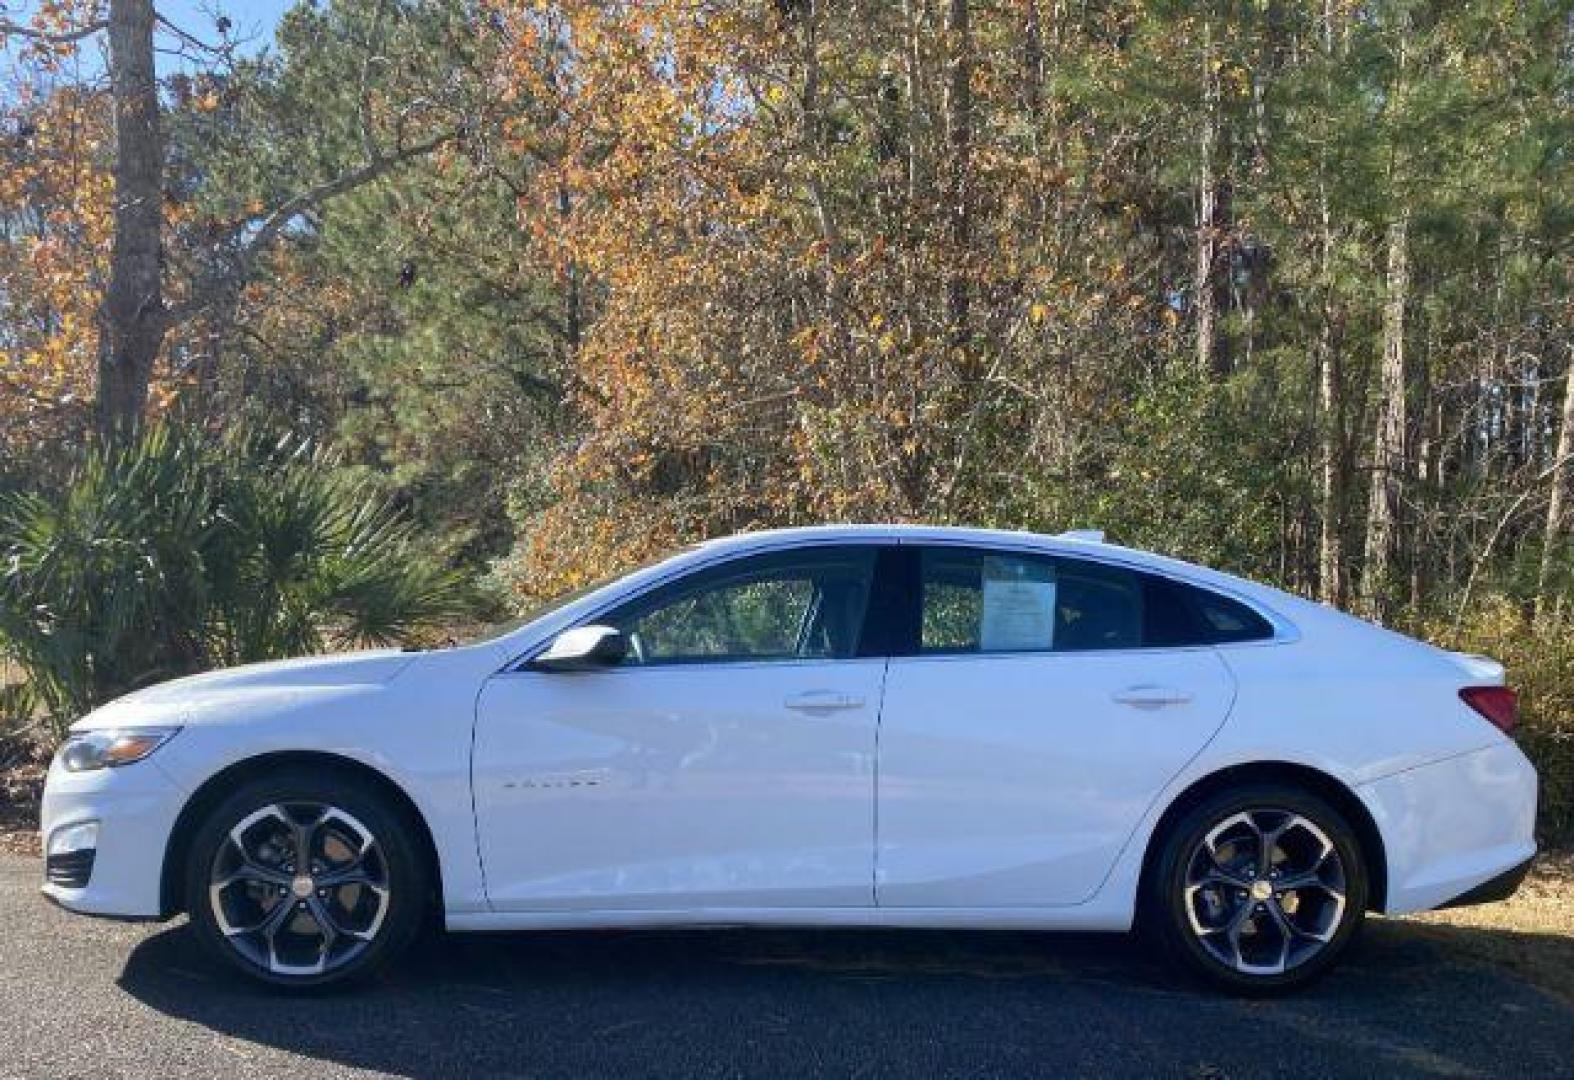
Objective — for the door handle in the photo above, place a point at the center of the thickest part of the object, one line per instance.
(823, 701)
(1147, 696)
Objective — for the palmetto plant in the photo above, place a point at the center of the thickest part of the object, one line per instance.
(179, 553)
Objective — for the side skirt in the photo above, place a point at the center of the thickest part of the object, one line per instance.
(1081, 918)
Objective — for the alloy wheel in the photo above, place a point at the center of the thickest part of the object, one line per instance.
(299, 888)
(1265, 891)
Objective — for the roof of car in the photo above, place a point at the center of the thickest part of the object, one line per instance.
(1270, 601)
(906, 532)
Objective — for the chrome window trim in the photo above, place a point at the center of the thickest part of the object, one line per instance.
(1284, 631)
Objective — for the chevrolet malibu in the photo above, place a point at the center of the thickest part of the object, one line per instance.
(840, 726)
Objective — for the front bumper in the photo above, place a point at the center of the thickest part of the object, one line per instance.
(1454, 828)
(135, 807)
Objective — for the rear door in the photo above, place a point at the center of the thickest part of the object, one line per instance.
(1043, 705)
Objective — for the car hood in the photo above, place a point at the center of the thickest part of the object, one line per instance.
(278, 682)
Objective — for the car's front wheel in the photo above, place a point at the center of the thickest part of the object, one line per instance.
(306, 877)
(1258, 890)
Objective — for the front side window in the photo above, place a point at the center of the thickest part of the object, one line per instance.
(790, 605)
(976, 600)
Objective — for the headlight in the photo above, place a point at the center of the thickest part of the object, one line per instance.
(90, 750)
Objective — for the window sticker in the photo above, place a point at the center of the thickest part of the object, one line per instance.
(1019, 605)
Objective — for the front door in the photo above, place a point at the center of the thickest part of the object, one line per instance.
(727, 763)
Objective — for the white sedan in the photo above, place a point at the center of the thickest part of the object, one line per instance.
(840, 726)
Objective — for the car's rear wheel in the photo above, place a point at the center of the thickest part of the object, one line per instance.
(1258, 890)
(305, 878)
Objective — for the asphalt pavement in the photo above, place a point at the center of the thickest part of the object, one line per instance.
(88, 998)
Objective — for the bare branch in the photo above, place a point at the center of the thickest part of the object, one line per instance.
(223, 49)
(346, 181)
(1486, 552)
(64, 37)
(363, 110)
(297, 205)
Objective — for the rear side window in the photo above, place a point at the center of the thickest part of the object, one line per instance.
(975, 600)
(1098, 607)
(999, 601)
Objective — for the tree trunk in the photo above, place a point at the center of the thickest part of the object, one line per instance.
(1032, 66)
(1388, 444)
(132, 316)
(1332, 579)
(959, 139)
(1421, 458)
(913, 19)
(1562, 473)
(573, 314)
(1207, 209)
(1331, 431)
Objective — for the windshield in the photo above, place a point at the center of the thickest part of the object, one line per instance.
(562, 600)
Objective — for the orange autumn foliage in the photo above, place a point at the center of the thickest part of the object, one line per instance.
(56, 230)
(773, 256)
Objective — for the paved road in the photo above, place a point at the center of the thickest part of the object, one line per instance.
(83, 998)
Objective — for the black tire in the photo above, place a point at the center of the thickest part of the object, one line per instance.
(1205, 915)
(387, 901)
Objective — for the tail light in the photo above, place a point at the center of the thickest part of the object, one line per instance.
(1498, 704)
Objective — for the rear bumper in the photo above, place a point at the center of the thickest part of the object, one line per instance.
(1454, 827)
(1493, 889)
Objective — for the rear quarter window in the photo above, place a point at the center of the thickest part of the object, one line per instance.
(1178, 615)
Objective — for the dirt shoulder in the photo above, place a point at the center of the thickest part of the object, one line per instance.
(1531, 933)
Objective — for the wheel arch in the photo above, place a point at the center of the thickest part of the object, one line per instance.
(213, 791)
(1319, 783)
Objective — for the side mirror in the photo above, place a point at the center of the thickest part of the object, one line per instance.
(584, 648)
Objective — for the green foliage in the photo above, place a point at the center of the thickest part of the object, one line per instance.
(428, 348)
(177, 554)
(18, 704)
(680, 269)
